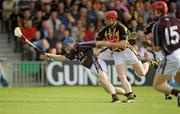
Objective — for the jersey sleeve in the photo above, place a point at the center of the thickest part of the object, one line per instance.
(101, 34)
(123, 31)
(148, 29)
(70, 56)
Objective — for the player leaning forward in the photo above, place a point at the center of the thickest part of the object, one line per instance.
(83, 53)
(115, 37)
(166, 35)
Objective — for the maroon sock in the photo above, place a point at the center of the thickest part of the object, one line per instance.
(175, 92)
(114, 96)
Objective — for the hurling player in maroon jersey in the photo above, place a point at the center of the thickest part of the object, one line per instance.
(166, 36)
(83, 53)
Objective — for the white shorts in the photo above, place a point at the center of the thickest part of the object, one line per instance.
(171, 64)
(100, 64)
(106, 55)
(125, 57)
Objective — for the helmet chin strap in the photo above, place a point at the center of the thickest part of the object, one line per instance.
(157, 17)
(111, 22)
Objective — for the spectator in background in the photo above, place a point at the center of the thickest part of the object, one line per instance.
(46, 1)
(15, 18)
(54, 4)
(14, 21)
(110, 4)
(66, 34)
(123, 13)
(58, 47)
(3, 81)
(126, 18)
(91, 13)
(24, 4)
(83, 16)
(7, 7)
(99, 20)
(83, 3)
(139, 6)
(97, 5)
(28, 31)
(32, 9)
(133, 26)
(178, 9)
(61, 8)
(77, 28)
(145, 12)
(52, 51)
(47, 10)
(44, 47)
(75, 8)
(67, 19)
(59, 33)
(37, 20)
(82, 35)
(37, 42)
(90, 30)
(26, 16)
(68, 4)
(172, 9)
(133, 12)
(44, 28)
(121, 5)
(53, 21)
(51, 39)
(141, 24)
(1, 16)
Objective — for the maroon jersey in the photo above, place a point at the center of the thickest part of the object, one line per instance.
(113, 33)
(166, 32)
(82, 55)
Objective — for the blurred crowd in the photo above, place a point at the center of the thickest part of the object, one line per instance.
(47, 22)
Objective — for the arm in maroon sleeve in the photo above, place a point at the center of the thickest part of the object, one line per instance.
(88, 44)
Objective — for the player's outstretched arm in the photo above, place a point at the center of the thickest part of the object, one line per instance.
(55, 57)
(91, 44)
(118, 44)
(88, 44)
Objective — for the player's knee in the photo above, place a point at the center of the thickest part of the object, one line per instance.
(140, 73)
(122, 77)
(157, 86)
(102, 76)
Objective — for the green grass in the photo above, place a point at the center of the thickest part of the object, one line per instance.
(81, 100)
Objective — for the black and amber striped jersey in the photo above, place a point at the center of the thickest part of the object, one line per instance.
(113, 33)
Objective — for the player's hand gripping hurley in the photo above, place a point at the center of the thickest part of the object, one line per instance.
(18, 33)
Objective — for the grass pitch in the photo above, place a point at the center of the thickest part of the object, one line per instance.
(81, 100)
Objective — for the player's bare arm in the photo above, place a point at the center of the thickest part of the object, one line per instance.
(153, 48)
(119, 44)
(56, 57)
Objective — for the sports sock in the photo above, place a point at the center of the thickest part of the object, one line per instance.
(115, 97)
(175, 92)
